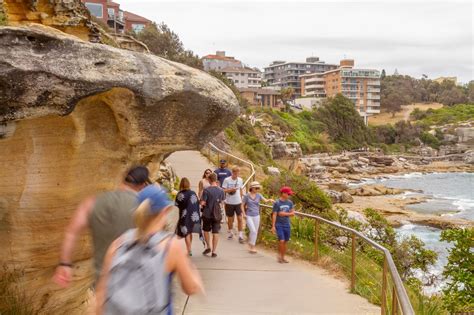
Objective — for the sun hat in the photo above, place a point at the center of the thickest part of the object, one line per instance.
(157, 198)
(255, 185)
(138, 175)
(286, 190)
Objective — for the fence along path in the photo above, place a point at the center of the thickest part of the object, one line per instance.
(237, 282)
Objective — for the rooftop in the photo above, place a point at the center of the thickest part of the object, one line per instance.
(260, 91)
(135, 17)
(239, 70)
(220, 58)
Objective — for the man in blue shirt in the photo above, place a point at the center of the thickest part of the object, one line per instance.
(283, 209)
(222, 172)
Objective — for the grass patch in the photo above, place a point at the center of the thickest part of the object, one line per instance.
(13, 299)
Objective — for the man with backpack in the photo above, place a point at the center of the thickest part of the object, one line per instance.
(211, 202)
(140, 264)
(107, 215)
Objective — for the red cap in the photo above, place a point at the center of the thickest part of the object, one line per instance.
(286, 190)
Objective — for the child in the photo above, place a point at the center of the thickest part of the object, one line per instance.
(283, 209)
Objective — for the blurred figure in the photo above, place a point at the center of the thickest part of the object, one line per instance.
(212, 201)
(233, 203)
(251, 211)
(107, 215)
(283, 209)
(188, 204)
(139, 265)
(204, 182)
(222, 172)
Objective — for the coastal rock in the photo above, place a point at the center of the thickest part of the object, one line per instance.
(338, 186)
(465, 135)
(286, 150)
(469, 157)
(77, 115)
(273, 171)
(346, 197)
(331, 163)
(341, 169)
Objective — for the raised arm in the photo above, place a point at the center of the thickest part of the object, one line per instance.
(79, 222)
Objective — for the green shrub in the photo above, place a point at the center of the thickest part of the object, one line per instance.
(430, 140)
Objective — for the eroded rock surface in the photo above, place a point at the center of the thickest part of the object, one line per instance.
(74, 115)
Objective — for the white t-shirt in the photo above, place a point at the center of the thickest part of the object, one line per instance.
(228, 183)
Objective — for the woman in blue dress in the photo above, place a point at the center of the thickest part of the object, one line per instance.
(189, 214)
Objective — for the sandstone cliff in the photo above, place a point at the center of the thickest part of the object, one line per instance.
(73, 116)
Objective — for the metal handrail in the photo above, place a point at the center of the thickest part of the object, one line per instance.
(250, 164)
(402, 295)
(399, 293)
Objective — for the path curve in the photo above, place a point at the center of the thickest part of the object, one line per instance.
(237, 282)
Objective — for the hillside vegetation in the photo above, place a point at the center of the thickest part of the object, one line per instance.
(446, 115)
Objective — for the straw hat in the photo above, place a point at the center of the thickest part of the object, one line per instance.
(255, 185)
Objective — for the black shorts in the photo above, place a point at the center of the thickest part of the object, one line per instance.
(209, 225)
(230, 210)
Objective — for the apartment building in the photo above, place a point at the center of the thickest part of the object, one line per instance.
(110, 13)
(220, 61)
(260, 97)
(244, 77)
(283, 74)
(313, 85)
(361, 86)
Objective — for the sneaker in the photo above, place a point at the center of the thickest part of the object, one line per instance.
(241, 240)
(190, 254)
(206, 251)
(230, 236)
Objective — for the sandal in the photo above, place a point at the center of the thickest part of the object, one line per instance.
(206, 251)
(214, 255)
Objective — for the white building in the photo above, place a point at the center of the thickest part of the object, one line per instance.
(243, 78)
(220, 61)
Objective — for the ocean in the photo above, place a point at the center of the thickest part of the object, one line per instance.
(449, 194)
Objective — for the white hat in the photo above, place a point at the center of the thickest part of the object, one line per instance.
(255, 185)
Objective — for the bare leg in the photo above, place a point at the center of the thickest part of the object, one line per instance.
(240, 222)
(281, 250)
(207, 239)
(230, 223)
(215, 240)
(188, 240)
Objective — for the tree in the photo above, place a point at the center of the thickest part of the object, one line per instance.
(163, 42)
(459, 289)
(383, 75)
(392, 102)
(342, 122)
(286, 94)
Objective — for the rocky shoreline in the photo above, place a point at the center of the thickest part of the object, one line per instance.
(336, 175)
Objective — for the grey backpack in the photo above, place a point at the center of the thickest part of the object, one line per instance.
(138, 281)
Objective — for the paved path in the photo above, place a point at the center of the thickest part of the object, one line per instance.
(237, 282)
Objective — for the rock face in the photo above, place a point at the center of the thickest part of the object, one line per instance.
(74, 115)
(286, 150)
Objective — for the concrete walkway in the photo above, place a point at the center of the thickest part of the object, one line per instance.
(238, 282)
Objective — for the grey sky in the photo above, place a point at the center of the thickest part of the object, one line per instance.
(433, 38)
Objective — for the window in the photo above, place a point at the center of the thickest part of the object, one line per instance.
(95, 9)
(138, 27)
(111, 13)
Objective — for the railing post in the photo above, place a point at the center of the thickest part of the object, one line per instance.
(353, 270)
(394, 302)
(383, 307)
(316, 240)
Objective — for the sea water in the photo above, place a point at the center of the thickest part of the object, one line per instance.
(449, 194)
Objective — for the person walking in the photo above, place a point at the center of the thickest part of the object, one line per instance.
(139, 265)
(188, 204)
(222, 172)
(251, 211)
(204, 182)
(211, 202)
(107, 215)
(283, 209)
(233, 203)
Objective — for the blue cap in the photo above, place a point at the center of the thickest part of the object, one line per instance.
(157, 196)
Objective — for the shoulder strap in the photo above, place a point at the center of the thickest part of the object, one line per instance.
(159, 237)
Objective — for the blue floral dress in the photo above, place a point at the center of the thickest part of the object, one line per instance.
(189, 214)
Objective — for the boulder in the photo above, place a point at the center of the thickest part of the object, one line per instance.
(346, 197)
(330, 163)
(286, 150)
(363, 159)
(341, 169)
(469, 157)
(334, 195)
(77, 115)
(273, 171)
(338, 186)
